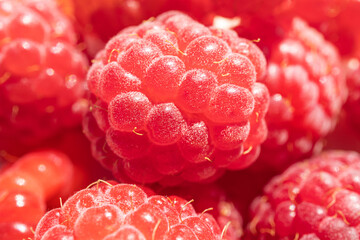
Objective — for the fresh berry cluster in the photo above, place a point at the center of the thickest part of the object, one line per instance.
(175, 99)
(175, 102)
(41, 72)
(26, 186)
(318, 199)
(124, 211)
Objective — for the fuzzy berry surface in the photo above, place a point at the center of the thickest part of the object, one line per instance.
(213, 199)
(317, 199)
(124, 211)
(307, 90)
(176, 100)
(27, 186)
(42, 74)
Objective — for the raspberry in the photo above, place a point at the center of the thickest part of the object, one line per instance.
(107, 211)
(307, 92)
(197, 100)
(315, 199)
(26, 186)
(215, 201)
(39, 94)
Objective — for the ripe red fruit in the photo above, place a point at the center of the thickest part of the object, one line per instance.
(26, 186)
(166, 115)
(41, 73)
(315, 199)
(307, 91)
(107, 211)
(212, 199)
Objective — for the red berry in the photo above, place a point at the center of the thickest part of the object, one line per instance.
(115, 211)
(27, 185)
(189, 91)
(39, 93)
(213, 200)
(307, 91)
(310, 201)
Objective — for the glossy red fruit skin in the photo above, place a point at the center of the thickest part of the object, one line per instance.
(105, 211)
(311, 198)
(39, 93)
(212, 104)
(26, 186)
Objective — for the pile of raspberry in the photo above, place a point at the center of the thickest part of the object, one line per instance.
(42, 74)
(123, 211)
(318, 199)
(307, 88)
(173, 100)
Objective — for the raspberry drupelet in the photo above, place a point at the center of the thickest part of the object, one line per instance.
(213, 199)
(318, 199)
(173, 100)
(42, 74)
(124, 211)
(307, 89)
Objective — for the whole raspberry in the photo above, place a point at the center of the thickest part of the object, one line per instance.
(174, 100)
(307, 91)
(317, 199)
(41, 72)
(123, 211)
